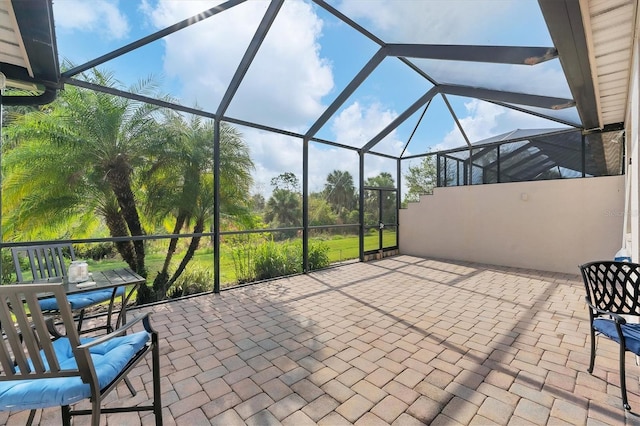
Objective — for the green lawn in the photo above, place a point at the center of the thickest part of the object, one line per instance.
(341, 248)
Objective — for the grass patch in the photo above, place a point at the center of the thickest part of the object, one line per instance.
(277, 258)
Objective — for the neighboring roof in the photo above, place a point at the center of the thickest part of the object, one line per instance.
(530, 154)
(28, 53)
(515, 135)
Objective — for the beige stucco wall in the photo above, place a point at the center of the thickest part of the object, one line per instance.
(550, 225)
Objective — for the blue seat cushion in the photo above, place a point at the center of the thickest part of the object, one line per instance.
(81, 300)
(631, 333)
(109, 358)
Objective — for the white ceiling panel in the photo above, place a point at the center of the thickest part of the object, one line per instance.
(611, 29)
(12, 49)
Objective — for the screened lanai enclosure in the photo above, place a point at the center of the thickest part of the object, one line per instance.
(207, 144)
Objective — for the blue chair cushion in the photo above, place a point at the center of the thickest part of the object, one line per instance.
(109, 360)
(81, 300)
(631, 333)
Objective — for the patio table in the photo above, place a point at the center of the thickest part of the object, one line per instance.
(103, 280)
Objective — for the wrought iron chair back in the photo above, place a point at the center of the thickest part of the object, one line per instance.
(613, 299)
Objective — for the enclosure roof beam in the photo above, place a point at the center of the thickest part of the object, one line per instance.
(401, 118)
(249, 54)
(137, 97)
(564, 20)
(536, 113)
(539, 101)
(348, 91)
(489, 54)
(152, 37)
(455, 118)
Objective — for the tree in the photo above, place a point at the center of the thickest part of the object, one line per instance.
(320, 212)
(283, 209)
(340, 192)
(79, 158)
(372, 202)
(92, 160)
(421, 179)
(182, 187)
(287, 181)
(383, 180)
(258, 202)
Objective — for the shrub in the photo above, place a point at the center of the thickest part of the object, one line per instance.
(97, 251)
(243, 252)
(277, 259)
(193, 281)
(7, 268)
(318, 255)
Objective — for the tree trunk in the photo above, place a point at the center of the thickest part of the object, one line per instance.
(160, 282)
(118, 228)
(119, 179)
(191, 251)
(173, 243)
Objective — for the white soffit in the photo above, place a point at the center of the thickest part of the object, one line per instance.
(12, 49)
(610, 28)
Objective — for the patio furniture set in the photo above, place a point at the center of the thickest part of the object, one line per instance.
(43, 366)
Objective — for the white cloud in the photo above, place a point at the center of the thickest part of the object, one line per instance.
(274, 154)
(480, 123)
(546, 79)
(433, 21)
(284, 87)
(99, 16)
(287, 79)
(357, 123)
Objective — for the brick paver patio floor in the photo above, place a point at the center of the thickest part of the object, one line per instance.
(398, 341)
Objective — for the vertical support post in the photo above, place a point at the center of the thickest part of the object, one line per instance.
(438, 171)
(361, 209)
(398, 201)
(584, 155)
(381, 196)
(305, 205)
(444, 171)
(216, 206)
(1, 151)
(498, 161)
(468, 169)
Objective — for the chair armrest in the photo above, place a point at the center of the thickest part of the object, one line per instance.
(616, 317)
(145, 321)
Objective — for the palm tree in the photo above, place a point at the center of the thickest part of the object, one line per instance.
(340, 192)
(182, 188)
(79, 159)
(283, 208)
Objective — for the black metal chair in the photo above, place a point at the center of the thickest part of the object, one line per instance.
(48, 262)
(41, 368)
(613, 290)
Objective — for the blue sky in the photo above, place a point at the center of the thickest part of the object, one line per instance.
(307, 59)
